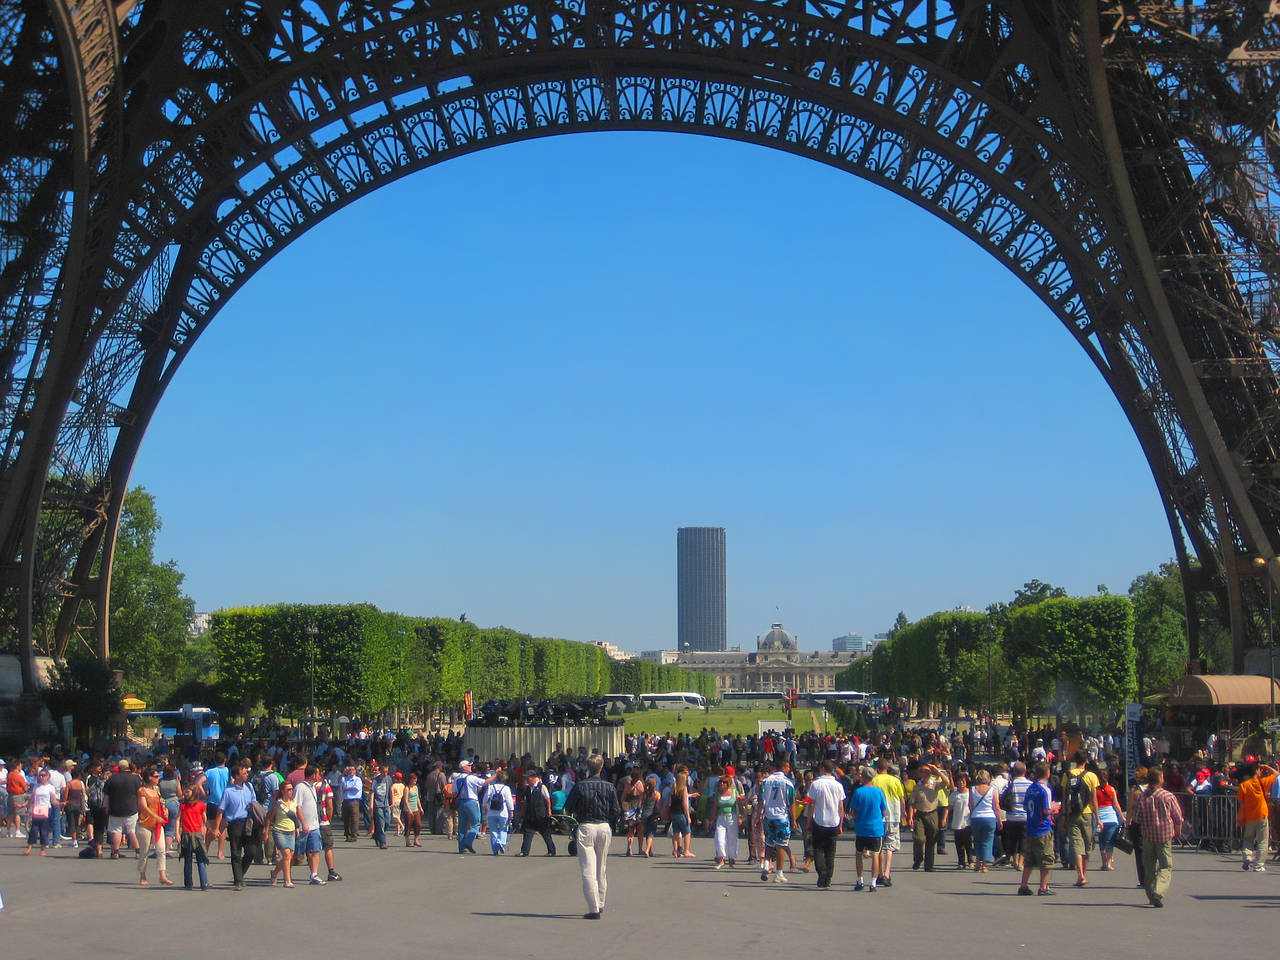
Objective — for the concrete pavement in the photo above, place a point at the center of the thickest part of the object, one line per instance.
(429, 901)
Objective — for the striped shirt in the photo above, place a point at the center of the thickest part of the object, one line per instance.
(1160, 816)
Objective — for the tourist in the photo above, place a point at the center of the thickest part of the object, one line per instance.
(632, 795)
(433, 787)
(1110, 820)
(121, 802)
(1132, 824)
(650, 804)
(890, 784)
(192, 817)
(285, 832)
(594, 804)
(74, 805)
(397, 802)
(352, 793)
(467, 787)
(1079, 805)
(214, 781)
(1037, 844)
(309, 843)
(1256, 781)
(777, 796)
(870, 811)
(152, 817)
(232, 821)
(984, 819)
(680, 813)
(1015, 813)
(923, 814)
(43, 800)
(17, 785)
(499, 809)
(170, 787)
(1161, 817)
(535, 807)
(380, 792)
(726, 818)
(325, 807)
(958, 821)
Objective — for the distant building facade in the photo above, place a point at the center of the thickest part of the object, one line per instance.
(776, 666)
(700, 589)
(851, 643)
(612, 649)
(660, 657)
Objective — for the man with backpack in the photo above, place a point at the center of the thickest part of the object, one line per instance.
(535, 806)
(1080, 810)
(266, 783)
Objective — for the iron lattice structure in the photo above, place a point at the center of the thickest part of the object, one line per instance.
(1119, 157)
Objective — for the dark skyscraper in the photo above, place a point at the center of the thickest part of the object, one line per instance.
(700, 605)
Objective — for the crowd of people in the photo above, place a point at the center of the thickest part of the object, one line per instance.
(778, 802)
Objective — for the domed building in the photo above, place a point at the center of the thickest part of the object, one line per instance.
(776, 666)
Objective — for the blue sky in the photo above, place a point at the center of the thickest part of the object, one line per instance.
(500, 385)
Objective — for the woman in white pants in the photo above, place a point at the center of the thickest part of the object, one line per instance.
(150, 829)
(726, 810)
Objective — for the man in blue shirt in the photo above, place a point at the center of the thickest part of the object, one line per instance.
(1037, 845)
(216, 779)
(233, 810)
(869, 810)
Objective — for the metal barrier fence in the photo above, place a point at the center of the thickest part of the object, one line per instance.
(1211, 822)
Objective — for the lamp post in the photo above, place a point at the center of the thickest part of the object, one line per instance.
(1261, 563)
(312, 632)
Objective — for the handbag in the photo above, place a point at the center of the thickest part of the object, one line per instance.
(1122, 842)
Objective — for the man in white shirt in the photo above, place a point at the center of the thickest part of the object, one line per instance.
(309, 843)
(777, 797)
(826, 821)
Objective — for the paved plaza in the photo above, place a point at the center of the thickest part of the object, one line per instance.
(432, 902)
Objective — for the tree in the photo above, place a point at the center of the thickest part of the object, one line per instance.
(1034, 591)
(149, 611)
(1159, 628)
(82, 687)
(899, 622)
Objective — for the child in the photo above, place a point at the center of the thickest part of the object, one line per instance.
(192, 812)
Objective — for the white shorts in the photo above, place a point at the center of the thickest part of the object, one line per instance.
(127, 825)
(892, 835)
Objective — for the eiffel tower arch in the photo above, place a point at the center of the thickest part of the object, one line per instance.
(1119, 157)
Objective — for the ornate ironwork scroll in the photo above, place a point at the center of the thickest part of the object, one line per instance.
(1118, 157)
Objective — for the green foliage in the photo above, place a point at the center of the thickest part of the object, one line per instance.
(82, 687)
(1074, 650)
(366, 661)
(149, 611)
(1160, 628)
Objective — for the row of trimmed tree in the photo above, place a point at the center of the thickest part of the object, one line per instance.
(1063, 655)
(359, 659)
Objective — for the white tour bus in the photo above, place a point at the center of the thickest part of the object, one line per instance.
(674, 701)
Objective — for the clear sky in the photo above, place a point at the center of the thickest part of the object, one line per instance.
(499, 386)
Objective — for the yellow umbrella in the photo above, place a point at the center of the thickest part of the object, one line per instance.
(133, 704)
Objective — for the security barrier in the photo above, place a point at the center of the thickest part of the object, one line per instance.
(1211, 822)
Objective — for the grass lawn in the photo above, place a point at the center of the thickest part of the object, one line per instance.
(725, 720)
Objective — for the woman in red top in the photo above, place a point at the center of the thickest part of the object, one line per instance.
(1109, 820)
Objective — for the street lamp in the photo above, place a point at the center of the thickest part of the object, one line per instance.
(1261, 563)
(312, 632)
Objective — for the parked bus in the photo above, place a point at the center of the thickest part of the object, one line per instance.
(189, 726)
(750, 698)
(853, 698)
(675, 701)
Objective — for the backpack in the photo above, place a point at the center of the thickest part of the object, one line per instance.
(1006, 799)
(495, 802)
(96, 794)
(260, 788)
(1077, 794)
(449, 793)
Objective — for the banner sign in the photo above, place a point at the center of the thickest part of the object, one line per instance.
(1132, 740)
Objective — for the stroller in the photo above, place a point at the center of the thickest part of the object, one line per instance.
(564, 825)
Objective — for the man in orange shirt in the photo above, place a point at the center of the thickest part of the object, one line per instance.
(1256, 779)
(17, 784)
